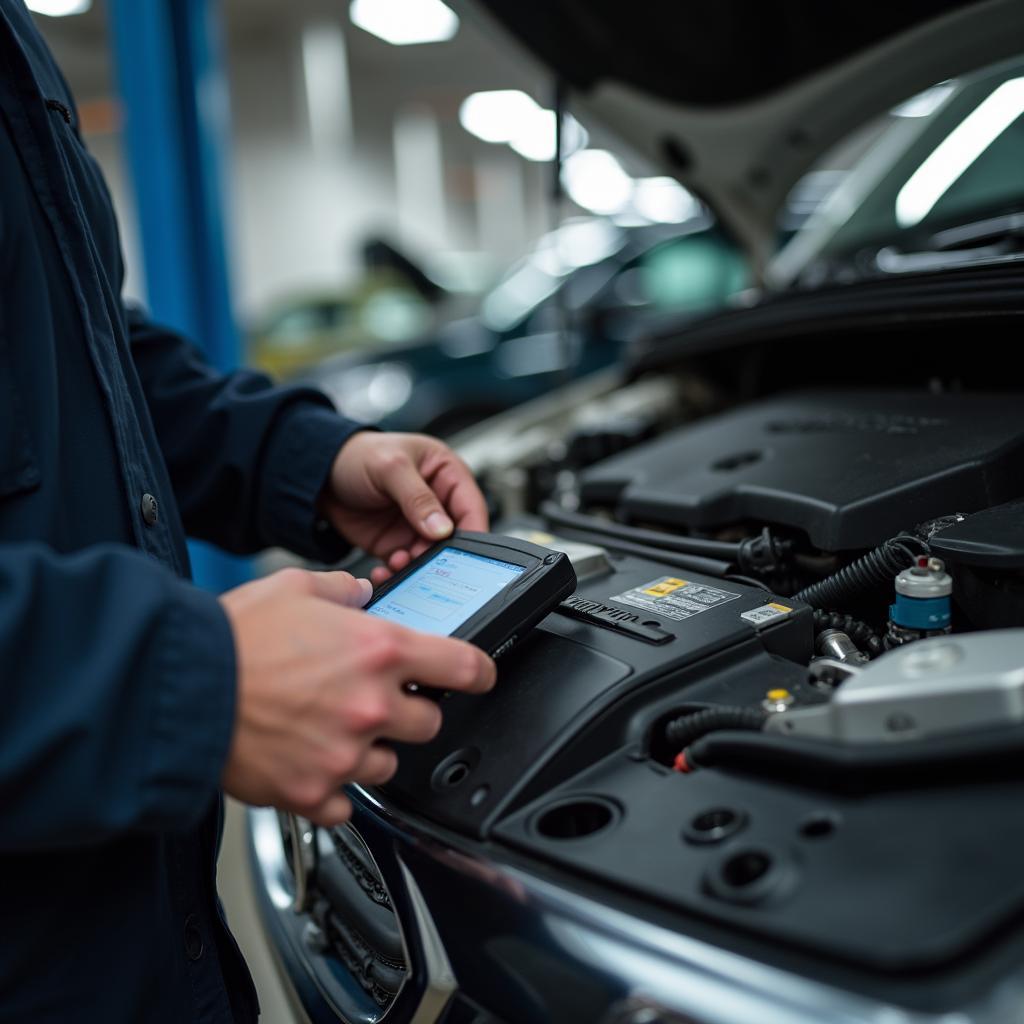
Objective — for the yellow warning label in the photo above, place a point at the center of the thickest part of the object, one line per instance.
(779, 607)
(666, 586)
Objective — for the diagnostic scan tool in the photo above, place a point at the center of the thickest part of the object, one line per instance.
(481, 587)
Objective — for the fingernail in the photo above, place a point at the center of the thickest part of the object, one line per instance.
(491, 675)
(438, 525)
(367, 588)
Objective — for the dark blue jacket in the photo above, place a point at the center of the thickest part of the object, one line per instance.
(117, 676)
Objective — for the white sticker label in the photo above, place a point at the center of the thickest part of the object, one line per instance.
(674, 598)
(766, 613)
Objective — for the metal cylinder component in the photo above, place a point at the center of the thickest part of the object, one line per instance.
(834, 643)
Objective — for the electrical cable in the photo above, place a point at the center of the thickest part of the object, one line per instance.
(688, 563)
(872, 571)
(682, 731)
(725, 550)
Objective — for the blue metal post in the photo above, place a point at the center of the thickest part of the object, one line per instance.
(175, 100)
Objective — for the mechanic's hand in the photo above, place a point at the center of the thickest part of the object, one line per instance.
(394, 495)
(320, 682)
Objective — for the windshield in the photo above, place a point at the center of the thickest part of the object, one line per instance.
(950, 157)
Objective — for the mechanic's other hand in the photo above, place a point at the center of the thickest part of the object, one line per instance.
(394, 495)
(321, 682)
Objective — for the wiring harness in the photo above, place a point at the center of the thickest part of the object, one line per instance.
(866, 574)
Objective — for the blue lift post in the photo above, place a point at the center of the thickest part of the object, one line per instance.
(175, 99)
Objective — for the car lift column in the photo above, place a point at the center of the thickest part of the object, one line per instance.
(175, 100)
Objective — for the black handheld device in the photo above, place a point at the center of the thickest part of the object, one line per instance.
(481, 587)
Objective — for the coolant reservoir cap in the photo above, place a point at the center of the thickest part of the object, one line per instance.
(928, 578)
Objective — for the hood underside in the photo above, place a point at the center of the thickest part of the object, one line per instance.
(738, 99)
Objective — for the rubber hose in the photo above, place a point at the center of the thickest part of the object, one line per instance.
(722, 550)
(850, 767)
(874, 570)
(688, 563)
(682, 731)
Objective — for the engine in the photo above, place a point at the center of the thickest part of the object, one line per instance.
(795, 657)
(843, 470)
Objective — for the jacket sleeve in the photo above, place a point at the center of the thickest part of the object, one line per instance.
(247, 460)
(118, 691)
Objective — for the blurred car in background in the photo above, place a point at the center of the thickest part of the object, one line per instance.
(570, 307)
(394, 302)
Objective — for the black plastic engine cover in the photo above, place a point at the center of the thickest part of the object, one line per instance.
(992, 539)
(893, 881)
(848, 468)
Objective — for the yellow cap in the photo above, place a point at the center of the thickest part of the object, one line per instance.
(778, 694)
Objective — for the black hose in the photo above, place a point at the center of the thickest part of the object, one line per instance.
(858, 767)
(859, 632)
(682, 731)
(723, 550)
(688, 563)
(872, 571)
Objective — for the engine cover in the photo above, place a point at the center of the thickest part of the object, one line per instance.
(848, 468)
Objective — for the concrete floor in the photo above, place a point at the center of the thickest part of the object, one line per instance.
(234, 882)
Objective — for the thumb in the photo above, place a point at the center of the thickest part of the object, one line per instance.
(341, 588)
(419, 504)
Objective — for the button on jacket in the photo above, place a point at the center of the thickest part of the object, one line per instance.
(117, 676)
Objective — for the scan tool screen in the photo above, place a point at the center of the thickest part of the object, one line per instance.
(443, 594)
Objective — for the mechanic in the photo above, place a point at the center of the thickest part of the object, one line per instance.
(129, 696)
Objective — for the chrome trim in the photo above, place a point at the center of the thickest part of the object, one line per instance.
(266, 839)
(441, 983)
(426, 951)
(304, 859)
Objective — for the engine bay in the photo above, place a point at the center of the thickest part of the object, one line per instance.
(783, 710)
(776, 701)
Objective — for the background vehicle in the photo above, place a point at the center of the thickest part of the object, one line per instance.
(729, 781)
(570, 307)
(394, 303)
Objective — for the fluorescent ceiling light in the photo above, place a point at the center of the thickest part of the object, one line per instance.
(537, 140)
(509, 115)
(596, 181)
(58, 8)
(964, 144)
(664, 201)
(405, 22)
(500, 115)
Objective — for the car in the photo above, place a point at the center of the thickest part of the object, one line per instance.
(567, 309)
(765, 764)
(394, 302)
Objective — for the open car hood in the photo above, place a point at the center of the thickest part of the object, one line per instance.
(737, 99)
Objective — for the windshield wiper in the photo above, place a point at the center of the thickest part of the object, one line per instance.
(981, 241)
(1009, 226)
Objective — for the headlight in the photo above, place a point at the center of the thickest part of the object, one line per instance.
(370, 392)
